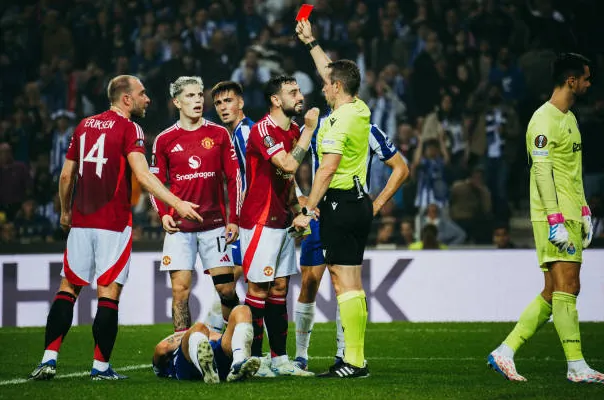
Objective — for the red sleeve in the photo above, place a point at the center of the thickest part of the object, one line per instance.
(134, 139)
(266, 143)
(234, 184)
(73, 153)
(159, 169)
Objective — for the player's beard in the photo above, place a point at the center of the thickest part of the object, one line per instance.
(139, 110)
(291, 112)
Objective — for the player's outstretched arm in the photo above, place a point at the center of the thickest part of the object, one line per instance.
(139, 166)
(66, 183)
(289, 162)
(322, 61)
(400, 172)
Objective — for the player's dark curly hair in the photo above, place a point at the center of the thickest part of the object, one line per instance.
(568, 65)
(347, 73)
(274, 85)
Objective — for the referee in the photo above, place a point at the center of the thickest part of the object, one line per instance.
(346, 210)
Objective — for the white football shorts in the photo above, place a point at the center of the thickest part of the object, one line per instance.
(97, 254)
(181, 249)
(268, 253)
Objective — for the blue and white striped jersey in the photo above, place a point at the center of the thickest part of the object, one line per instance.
(240, 137)
(379, 145)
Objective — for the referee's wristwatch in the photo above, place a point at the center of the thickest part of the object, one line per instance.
(308, 213)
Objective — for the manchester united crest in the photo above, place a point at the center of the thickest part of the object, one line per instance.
(166, 260)
(268, 271)
(207, 143)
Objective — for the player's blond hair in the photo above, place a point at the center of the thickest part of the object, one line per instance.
(179, 84)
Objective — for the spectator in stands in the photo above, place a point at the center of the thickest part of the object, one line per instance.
(15, 182)
(31, 226)
(471, 207)
(428, 168)
(425, 82)
(508, 76)
(252, 76)
(407, 232)
(302, 78)
(406, 141)
(387, 47)
(447, 121)
(385, 232)
(386, 108)
(61, 137)
(429, 240)
(448, 231)
(501, 237)
(9, 233)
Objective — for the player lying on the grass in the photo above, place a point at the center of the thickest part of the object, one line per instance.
(561, 223)
(200, 354)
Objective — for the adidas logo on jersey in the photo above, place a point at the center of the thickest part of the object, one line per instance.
(225, 258)
(176, 148)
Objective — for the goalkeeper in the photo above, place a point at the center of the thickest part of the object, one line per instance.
(561, 222)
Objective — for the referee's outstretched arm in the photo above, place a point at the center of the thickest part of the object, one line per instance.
(304, 31)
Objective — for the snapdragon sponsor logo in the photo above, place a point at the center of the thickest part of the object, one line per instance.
(195, 175)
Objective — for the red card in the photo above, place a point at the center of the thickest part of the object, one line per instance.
(304, 12)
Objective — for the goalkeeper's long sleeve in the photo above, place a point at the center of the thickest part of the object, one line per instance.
(546, 187)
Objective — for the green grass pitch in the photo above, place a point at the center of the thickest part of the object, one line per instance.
(406, 361)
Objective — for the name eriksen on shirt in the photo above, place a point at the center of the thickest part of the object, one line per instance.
(98, 124)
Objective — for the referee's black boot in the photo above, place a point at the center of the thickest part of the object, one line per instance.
(346, 370)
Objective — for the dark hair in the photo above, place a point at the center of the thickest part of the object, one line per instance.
(501, 225)
(430, 237)
(225, 86)
(347, 72)
(118, 86)
(568, 65)
(274, 85)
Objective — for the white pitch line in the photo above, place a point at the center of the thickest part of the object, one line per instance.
(75, 374)
(476, 359)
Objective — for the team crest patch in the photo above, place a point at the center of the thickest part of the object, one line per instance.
(268, 271)
(269, 142)
(571, 249)
(540, 141)
(207, 143)
(166, 260)
(140, 143)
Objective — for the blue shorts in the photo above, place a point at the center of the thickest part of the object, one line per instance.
(236, 246)
(311, 250)
(221, 360)
(184, 370)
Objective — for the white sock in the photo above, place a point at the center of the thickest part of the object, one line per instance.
(50, 355)
(100, 365)
(339, 335)
(214, 317)
(505, 350)
(194, 339)
(276, 361)
(577, 366)
(304, 317)
(241, 342)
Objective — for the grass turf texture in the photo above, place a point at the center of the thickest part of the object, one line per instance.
(406, 361)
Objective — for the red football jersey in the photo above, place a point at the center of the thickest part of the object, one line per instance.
(266, 200)
(194, 163)
(100, 145)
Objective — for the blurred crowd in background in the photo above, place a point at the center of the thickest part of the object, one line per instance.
(452, 83)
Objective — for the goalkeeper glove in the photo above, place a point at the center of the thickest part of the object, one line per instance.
(588, 228)
(558, 235)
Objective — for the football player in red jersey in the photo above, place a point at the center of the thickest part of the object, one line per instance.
(105, 149)
(192, 156)
(275, 149)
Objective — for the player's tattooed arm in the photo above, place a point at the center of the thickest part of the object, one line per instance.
(299, 153)
(181, 316)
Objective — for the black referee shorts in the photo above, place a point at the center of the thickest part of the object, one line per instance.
(345, 223)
